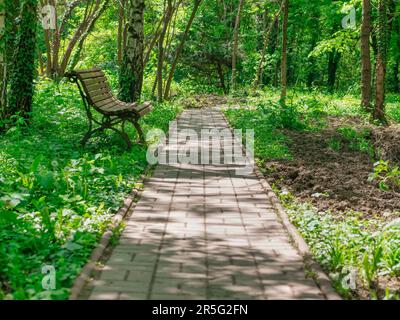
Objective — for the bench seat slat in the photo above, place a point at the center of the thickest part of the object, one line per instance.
(99, 92)
(97, 86)
(105, 102)
(111, 107)
(100, 98)
(91, 81)
(145, 111)
(142, 107)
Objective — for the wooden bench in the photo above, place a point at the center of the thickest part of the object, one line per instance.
(95, 91)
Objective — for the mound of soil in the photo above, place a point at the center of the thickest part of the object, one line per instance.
(329, 179)
(386, 142)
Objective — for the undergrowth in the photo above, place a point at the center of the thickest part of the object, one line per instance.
(57, 198)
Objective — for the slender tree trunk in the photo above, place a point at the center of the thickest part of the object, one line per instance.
(382, 39)
(312, 73)
(168, 41)
(366, 77)
(49, 63)
(131, 73)
(121, 22)
(153, 41)
(221, 77)
(396, 65)
(8, 33)
(236, 44)
(284, 53)
(56, 45)
(180, 49)
(267, 36)
(333, 63)
(47, 42)
(77, 54)
(21, 79)
(160, 63)
(41, 63)
(93, 10)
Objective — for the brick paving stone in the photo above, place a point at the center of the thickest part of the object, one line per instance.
(203, 232)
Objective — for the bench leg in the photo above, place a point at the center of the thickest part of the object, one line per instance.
(123, 134)
(139, 130)
(86, 137)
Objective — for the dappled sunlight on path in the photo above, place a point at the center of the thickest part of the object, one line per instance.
(204, 232)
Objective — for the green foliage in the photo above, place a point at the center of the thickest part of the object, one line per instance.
(341, 242)
(269, 143)
(335, 144)
(345, 242)
(288, 117)
(386, 175)
(56, 198)
(358, 140)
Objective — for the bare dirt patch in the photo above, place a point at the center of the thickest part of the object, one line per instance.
(335, 180)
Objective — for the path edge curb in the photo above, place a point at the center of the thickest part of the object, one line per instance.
(322, 278)
(123, 212)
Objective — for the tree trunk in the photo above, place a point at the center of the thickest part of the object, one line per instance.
(260, 67)
(13, 9)
(131, 74)
(312, 73)
(236, 44)
(21, 79)
(93, 10)
(180, 49)
(76, 57)
(333, 63)
(153, 41)
(55, 45)
(168, 41)
(366, 89)
(41, 63)
(221, 77)
(121, 22)
(160, 62)
(284, 53)
(382, 39)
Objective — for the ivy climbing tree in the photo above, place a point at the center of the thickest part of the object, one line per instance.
(366, 28)
(22, 76)
(381, 60)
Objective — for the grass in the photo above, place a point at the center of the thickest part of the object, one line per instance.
(337, 104)
(57, 198)
(345, 243)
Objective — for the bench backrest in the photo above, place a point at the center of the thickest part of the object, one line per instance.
(96, 88)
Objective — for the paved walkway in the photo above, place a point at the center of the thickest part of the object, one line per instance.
(204, 232)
